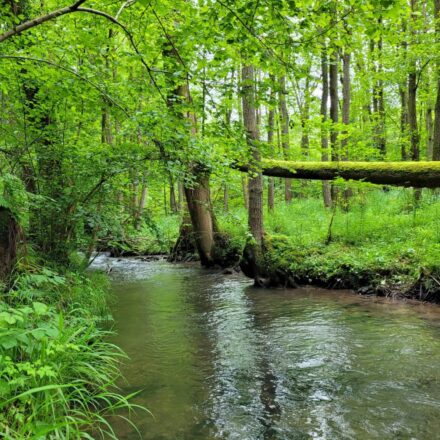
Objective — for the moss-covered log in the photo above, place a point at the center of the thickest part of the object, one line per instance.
(408, 174)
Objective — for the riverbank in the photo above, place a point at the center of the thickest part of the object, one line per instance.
(389, 273)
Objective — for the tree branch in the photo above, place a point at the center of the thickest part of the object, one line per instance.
(17, 30)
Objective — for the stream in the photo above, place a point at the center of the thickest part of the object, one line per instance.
(215, 358)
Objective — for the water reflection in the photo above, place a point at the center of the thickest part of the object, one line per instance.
(217, 359)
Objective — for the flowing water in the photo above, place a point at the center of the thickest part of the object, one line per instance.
(215, 358)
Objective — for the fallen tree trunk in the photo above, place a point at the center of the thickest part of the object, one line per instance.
(408, 174)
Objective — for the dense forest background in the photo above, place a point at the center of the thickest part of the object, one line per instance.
(123, 127)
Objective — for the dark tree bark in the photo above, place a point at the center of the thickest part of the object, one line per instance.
(10, 239)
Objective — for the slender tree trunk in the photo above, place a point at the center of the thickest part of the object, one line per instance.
(436, 128)
(412, 115)
(403, 123)
(173, 202)
(270, 141)
(142, 201)
(334, 114)
(346, 107)
(180, 196)
(412, 102)
(326, 189)
(225, 198)
(334, 104)
(346, 101)
(429, 133)
(378, 96)
(285, 142)
(305, 115)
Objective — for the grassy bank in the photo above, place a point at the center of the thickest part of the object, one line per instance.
(383, 243)
(57, 372)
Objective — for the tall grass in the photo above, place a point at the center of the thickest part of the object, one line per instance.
(57, 371)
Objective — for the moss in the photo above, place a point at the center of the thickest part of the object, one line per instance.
(406, 167)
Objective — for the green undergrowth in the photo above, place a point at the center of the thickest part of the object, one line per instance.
(150, 238)
(383, 243)
(57, 370)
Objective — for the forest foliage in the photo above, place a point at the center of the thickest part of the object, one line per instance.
(122, 128)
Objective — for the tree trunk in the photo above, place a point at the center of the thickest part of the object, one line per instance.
(173, 202)
(334, 104)
(252, 262)
(244, 185)
(285, 143)
(403, 123)
(180, 196)
(199, 206)
(378, 96)
(225, 198)
(429, 134)
(142, 201)
(346, 106)
(412, 101)
(436, 135)
(270, 141)
(305, 114)
(326, 190)
(10, 238)
(412, 115)
(198, 194)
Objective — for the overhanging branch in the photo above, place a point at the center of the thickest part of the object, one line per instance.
(17, 30)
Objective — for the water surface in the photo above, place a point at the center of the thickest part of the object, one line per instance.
(216, 358)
